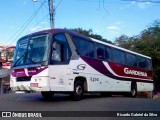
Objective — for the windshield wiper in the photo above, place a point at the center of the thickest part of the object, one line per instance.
(19, 59)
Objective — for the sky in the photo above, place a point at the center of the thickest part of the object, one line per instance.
(108, 18)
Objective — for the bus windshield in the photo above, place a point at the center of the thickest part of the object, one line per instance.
(31, 50)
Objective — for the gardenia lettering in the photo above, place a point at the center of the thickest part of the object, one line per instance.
(134, 72)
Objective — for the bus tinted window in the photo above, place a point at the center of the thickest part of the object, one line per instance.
(20, 50)
(131, 60)
(60, 50)
(57, 52)
(108, 53)
(141, 62)
(119, 56)
(37, 49)
(100, 51)
(148, 64)
(84, 47)
(60, 38)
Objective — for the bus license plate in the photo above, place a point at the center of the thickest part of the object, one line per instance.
(33, 84)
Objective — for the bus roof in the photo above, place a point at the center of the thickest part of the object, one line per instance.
(120, 48)
(54, 31)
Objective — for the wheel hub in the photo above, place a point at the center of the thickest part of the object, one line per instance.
(78, 90)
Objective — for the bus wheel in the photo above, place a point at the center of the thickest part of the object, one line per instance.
(78, 91)
(47, 95)
(133, 92)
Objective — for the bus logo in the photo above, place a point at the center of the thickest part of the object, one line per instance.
(81, 67)
(134, 72)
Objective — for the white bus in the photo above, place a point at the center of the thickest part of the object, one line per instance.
(58, 60)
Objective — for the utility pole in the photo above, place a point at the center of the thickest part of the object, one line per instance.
(51, 13)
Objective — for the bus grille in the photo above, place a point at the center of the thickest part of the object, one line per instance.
(20, 79)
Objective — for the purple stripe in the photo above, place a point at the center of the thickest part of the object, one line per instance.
(100, 67)
(35, 71)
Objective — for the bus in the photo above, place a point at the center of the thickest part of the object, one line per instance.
(59, 60)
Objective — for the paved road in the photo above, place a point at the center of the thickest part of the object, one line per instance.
(34, 102)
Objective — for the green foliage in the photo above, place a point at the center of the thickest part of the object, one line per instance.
(147, 43)
(90, 33)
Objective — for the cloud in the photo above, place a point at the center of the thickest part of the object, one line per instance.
(35, 28)
(42, 26)
(24, 2)
(43, 22)
(113, 28)
(116, 26)
(143, 5)
(96, 31)
(38, 28)
(139, 4)
(119, 23)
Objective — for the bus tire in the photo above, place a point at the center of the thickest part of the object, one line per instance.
(133, 92)
(47, 95)
(78, 91)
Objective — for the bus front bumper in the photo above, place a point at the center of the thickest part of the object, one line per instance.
(35, 84)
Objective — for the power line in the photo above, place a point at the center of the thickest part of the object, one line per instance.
(35, 10)
(150, 1)
(42, 3)
(58, 4)
(122, 1)
(52, 12)
(106, 1)
(46, 15)
(104, 7)
(26, 23)
(38, 22)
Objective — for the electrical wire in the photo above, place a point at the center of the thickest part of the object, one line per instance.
(35, 10)
(105, 8)
(151, 1)
(26, 24)
(28, 31)
(58, 4)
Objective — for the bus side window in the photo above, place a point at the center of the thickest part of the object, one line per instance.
(119, 56)
(84, 47)
(100, 51)
(141, 62)
(131, 60)
(60, 53)
(56, 52)
(108, 53)
(148, 64)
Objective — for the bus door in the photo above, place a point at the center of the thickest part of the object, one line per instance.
(59, 61)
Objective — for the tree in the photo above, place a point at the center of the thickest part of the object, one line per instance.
(126, 42)
(147, 43)
(90, 33)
